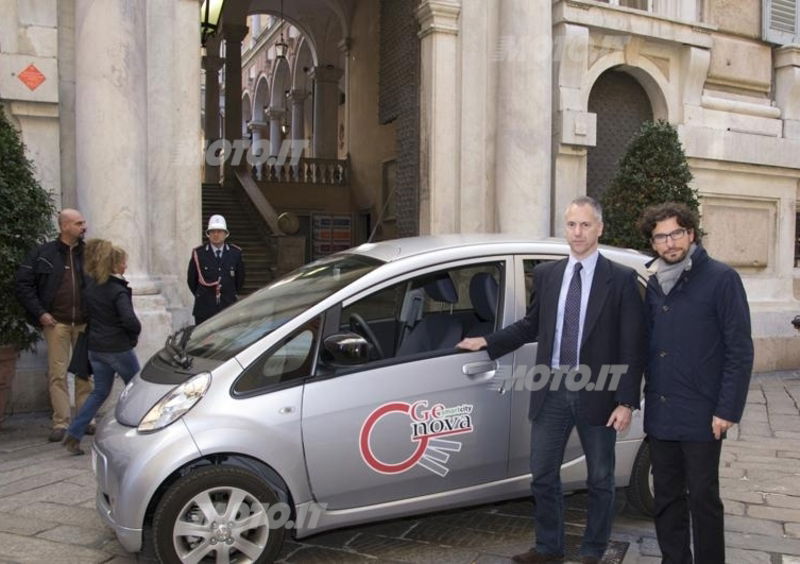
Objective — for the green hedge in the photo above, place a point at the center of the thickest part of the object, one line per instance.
(652, 171)
(26, 213)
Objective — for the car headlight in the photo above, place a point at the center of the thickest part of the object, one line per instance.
(178, 401)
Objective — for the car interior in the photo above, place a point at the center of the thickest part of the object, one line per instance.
(429, 313)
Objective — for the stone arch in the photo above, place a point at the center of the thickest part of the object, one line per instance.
(261, 99)
(302, 63)
(281, 82)
(621, 105)
(647, 74)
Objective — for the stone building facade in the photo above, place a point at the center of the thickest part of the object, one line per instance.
(451, 116)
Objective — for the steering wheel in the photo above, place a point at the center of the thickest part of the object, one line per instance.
(361, 327)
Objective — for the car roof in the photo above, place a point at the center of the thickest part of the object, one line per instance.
(397, 249)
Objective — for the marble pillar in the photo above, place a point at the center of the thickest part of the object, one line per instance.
(524, 120)
(326, 110)
(260, 130)
(275, 117)
(111, 131)
(439, 116)
(297, 101)
(233, 35)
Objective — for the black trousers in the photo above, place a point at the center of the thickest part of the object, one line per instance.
(686, 481)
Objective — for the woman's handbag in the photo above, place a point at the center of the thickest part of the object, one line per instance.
(79, 364)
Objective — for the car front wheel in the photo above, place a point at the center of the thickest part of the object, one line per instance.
(640, 490)
(219, 514)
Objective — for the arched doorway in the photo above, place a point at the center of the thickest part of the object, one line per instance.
(621, 106)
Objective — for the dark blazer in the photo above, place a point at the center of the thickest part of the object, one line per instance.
(113, 325)
(39, 276)
(229, 272)
(613, 333)
(700, 353)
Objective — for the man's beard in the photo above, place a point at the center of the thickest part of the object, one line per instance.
(677, 260)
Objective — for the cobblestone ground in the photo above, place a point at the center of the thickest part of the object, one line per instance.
(47, 505)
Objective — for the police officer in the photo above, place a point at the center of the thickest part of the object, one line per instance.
(216, 271)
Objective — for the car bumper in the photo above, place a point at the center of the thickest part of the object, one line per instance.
(129, 467)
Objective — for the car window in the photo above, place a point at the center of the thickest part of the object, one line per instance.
(430, 312)
(237, 327)
(290, 360)
(528, 265)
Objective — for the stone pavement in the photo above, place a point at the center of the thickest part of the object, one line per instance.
(47, 505)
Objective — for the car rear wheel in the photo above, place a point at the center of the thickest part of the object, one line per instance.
(640, 490)
(216, 514)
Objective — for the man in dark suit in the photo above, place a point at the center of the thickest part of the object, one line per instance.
(699, 364)
(216, 272)
(586, 311)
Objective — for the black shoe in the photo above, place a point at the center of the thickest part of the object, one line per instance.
(533, 557)
(73, 445)
(57, 435)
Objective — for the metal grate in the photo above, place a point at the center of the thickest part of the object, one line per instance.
(621, 105)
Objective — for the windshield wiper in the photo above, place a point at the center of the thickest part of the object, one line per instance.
(175, 348)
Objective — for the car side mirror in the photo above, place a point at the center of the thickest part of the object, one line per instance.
(347, 348)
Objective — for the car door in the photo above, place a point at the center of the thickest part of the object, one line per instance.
(416, 422)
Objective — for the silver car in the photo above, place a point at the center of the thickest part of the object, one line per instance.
(335, 396)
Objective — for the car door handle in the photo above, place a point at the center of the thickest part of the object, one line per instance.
(481, 369)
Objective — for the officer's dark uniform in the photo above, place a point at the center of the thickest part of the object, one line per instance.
(218, 281)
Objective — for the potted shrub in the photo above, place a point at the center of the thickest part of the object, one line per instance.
(26, 212)
(652, 171)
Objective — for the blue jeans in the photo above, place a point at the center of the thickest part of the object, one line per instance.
(104, 365)
(549, 434)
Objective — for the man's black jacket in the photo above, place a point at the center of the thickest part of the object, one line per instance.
(40, 275)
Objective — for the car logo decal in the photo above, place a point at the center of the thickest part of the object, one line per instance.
(426, 426)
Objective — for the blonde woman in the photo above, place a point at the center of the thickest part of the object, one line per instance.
(113, 331)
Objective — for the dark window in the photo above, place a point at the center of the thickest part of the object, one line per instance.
(291, 360)
(797, 240)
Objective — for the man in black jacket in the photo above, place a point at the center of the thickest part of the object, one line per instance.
(698, 372)
(586, 311)
(48, 285)
(216, 272)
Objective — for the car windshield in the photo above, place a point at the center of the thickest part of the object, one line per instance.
(245, 322)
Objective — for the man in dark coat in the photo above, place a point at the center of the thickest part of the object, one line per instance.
(48, 284)
(216, 272)
(586, 310)
(699, 364)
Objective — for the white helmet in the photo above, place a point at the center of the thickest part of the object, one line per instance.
(217, 222)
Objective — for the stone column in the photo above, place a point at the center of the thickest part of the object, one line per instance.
(297, 99)
(260, 131)
(787, 88)
(111, 131)
(439, 116)
(524, 121)
(212, 63)
(275, 117)
(233, 35)
(326, 110)
(111, 124)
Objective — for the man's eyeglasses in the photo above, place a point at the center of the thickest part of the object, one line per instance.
(661, 238)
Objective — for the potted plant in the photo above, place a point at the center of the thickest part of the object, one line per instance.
(652, 171)
(26, 212)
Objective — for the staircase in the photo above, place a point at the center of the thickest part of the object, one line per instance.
(247, 230)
